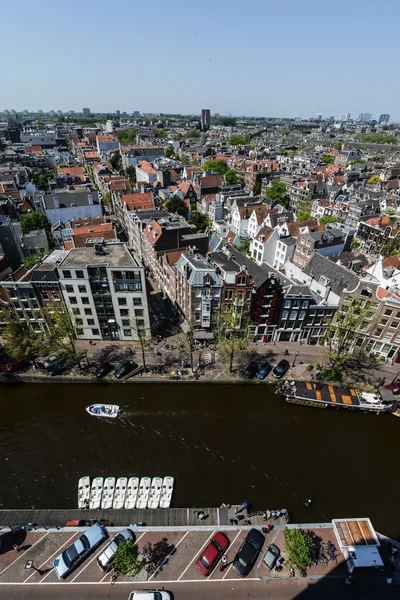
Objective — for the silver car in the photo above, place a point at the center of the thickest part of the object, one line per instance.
(68, 560)
(106, 558)
(150, 595)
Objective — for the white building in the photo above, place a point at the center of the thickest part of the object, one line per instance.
(105, 291)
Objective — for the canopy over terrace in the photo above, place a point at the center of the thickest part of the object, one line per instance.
(358, 542)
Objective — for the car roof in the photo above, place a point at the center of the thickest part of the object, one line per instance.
(95, 533)
(255, 535)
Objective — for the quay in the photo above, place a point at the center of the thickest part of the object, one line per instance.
(319, 395)
(167, 517)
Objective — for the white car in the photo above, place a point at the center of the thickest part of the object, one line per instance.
(106, 558)
(79, 550)
(150, 595)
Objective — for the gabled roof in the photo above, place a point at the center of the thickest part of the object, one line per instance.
(339, 277)
(264, 234)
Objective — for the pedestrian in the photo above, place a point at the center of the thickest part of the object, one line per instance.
(200, 514)
(203, 516)
(348, 580)
(237, 511)
(245, 505)
(394, 551)
(91, 342)
(16, 547)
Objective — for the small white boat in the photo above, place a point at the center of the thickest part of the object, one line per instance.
(131, 492)
(84, 492)
(155, 492)
(166, 492)
(107, 411)
(96, 492)
(144, 491)
(120, 492)
(108, 493)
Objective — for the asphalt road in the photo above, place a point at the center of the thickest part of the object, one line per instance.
(256, 590)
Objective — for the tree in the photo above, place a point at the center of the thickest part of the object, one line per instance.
(244, 246)
(186, 343)
(231, 176)
(391, 212)
(19, 338)
(169, 151)
(226, 121)
(130, 174)
(37, 220)
(338, 146)
(303, 215)
(127, 560)
(116, 161)
(161, 134)
(210, 152)
(233, 330)
(126, 136)
(391, 247)
(30, 261)
(193, 134)
(378, 138)
(62, 332)
(200, 220)
(298, 544)
(175, 204)
(277, 192)
(217, 166)
(257, 189)
(43, 180)
(374, 179)
(144, 336)
(327, 220)
(238, 140)
(328, 159)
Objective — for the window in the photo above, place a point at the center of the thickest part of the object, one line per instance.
(125, 323)
(383, 322)
(78, 321)
(304, 304)
(90, 321)
(88, 311)
(128, 332)
(95, 332)
(241, 280)
(293, 315)
(140, 322)
(66, 274)
(85, 300)
(228, 294)
(287, 304)
(45, 297)
(137, 302)
(285, 314)
(122, 301)
(302, 314)
(72, 300)
(124, 312)
(388, 313)
(79, 274)
(69, 289)
(378, 332)
(139, 313)
(313, 313)
(82, 289)
(398, 315)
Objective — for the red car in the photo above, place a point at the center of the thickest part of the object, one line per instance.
(393, 387)
(211, 555)
(15, 365)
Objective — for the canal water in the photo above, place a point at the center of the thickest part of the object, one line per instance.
(221, 443)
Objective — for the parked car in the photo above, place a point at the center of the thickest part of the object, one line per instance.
(393, 387)
(251, 369)
(57, 367)
(211, 555)
(106, 558)
(150, 595)
(16, 364)
(264, 370)
(271, 556)
(125, 368)
(50, 361)
(68, 560)
(248, 552)
(281, 368)
(103, 369)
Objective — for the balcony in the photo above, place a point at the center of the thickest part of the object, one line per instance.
(127, 285)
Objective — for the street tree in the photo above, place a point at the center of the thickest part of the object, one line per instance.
(231, 177)
(169, 151)
(127, 560)
(144, 336)
(19, 338)
(257, 189)
(200, 220)
(175, 204)
(116, 161)
(186, 343)
(277, 193)
(233, 330)
(130, 174)
(62, 332)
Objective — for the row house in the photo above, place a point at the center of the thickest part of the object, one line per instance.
(107, 143)
(145, 172)
(375, 232)
(207, 184)
(82, 232)
(64, 205)
(198, 291)
(246, 220)
(124, 204)
(361, 209)
(304, 190)
(132, 155)
(329, 242)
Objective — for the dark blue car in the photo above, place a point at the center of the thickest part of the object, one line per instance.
(264, 370)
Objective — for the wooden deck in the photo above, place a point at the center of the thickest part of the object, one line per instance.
(170, 517)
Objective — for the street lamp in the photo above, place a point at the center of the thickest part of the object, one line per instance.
(295, 357)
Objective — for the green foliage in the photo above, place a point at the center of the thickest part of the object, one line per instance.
(355, 243)
(309, 367)
(210, 152)
(328, 159)
(217, 166)
(374, 179)
(226, 121)
(378, 159)
(19, 339)
(378, 138)
(43, 180)
(358, 161)
(391, 212)
(238, 140)
(193, 134)
(200, 220)
(245, 246)
(175, 204)
(277, 193)
(298, 544)
(331, 374)
(61, 334)
(127, 560)
(391, 247)
(327, 220)
(107, 200)
(127, 136)
(338, 145)
(231, 176)
(116, 161)
(30, 261)
(257, 189)
(161, 134)
(302, 215)
(130, 174)
(169, 151)
(40, 126)
(36, 220)
(233, 330)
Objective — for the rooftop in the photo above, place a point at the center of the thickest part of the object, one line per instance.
(116, 255)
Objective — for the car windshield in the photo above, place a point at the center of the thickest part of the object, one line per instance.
(157, 596)
(119, 539)
(66, 559)
(204, 562)
(242, 562)
(217, 545)
(85, 542)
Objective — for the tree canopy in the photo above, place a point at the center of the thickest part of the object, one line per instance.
(378, 138)
(327, 220)
(43, 180)
(298, 544)
(130, 174)
(231, 176)
(127, 136)
(233, 329)
(257, 188)
(169, 151)
(127, 560)
(374, 179)
(303, 215)
(36, 220)
(30, 261)
(161, 133)
(175, 204)
(193, 134)
(217, 166)
(238, 140)
(116, 160)
(277, 193)
(226, 121)
(200, 220)
(328, 159)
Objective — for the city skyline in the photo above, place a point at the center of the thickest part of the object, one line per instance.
(262, 76)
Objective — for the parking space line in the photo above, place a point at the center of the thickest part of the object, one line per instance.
(90, 561)
(50, 557)
(197, 554)
(231, 565)
(23, 554)
(167, 557)
(109, 572)
(230, 546)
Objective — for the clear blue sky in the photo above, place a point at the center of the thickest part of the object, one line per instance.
(265, 58)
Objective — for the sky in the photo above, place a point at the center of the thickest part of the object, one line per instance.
(258, 58)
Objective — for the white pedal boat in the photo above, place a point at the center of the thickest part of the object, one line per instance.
(144, 492)
(84, 492)
(166, 492)
(108, 493)
(155, 493)
(132, 492)
(120, 492)
(96, 492)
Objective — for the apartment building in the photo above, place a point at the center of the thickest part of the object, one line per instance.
(104, 289)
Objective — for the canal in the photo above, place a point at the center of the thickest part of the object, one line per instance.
(221, 443)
